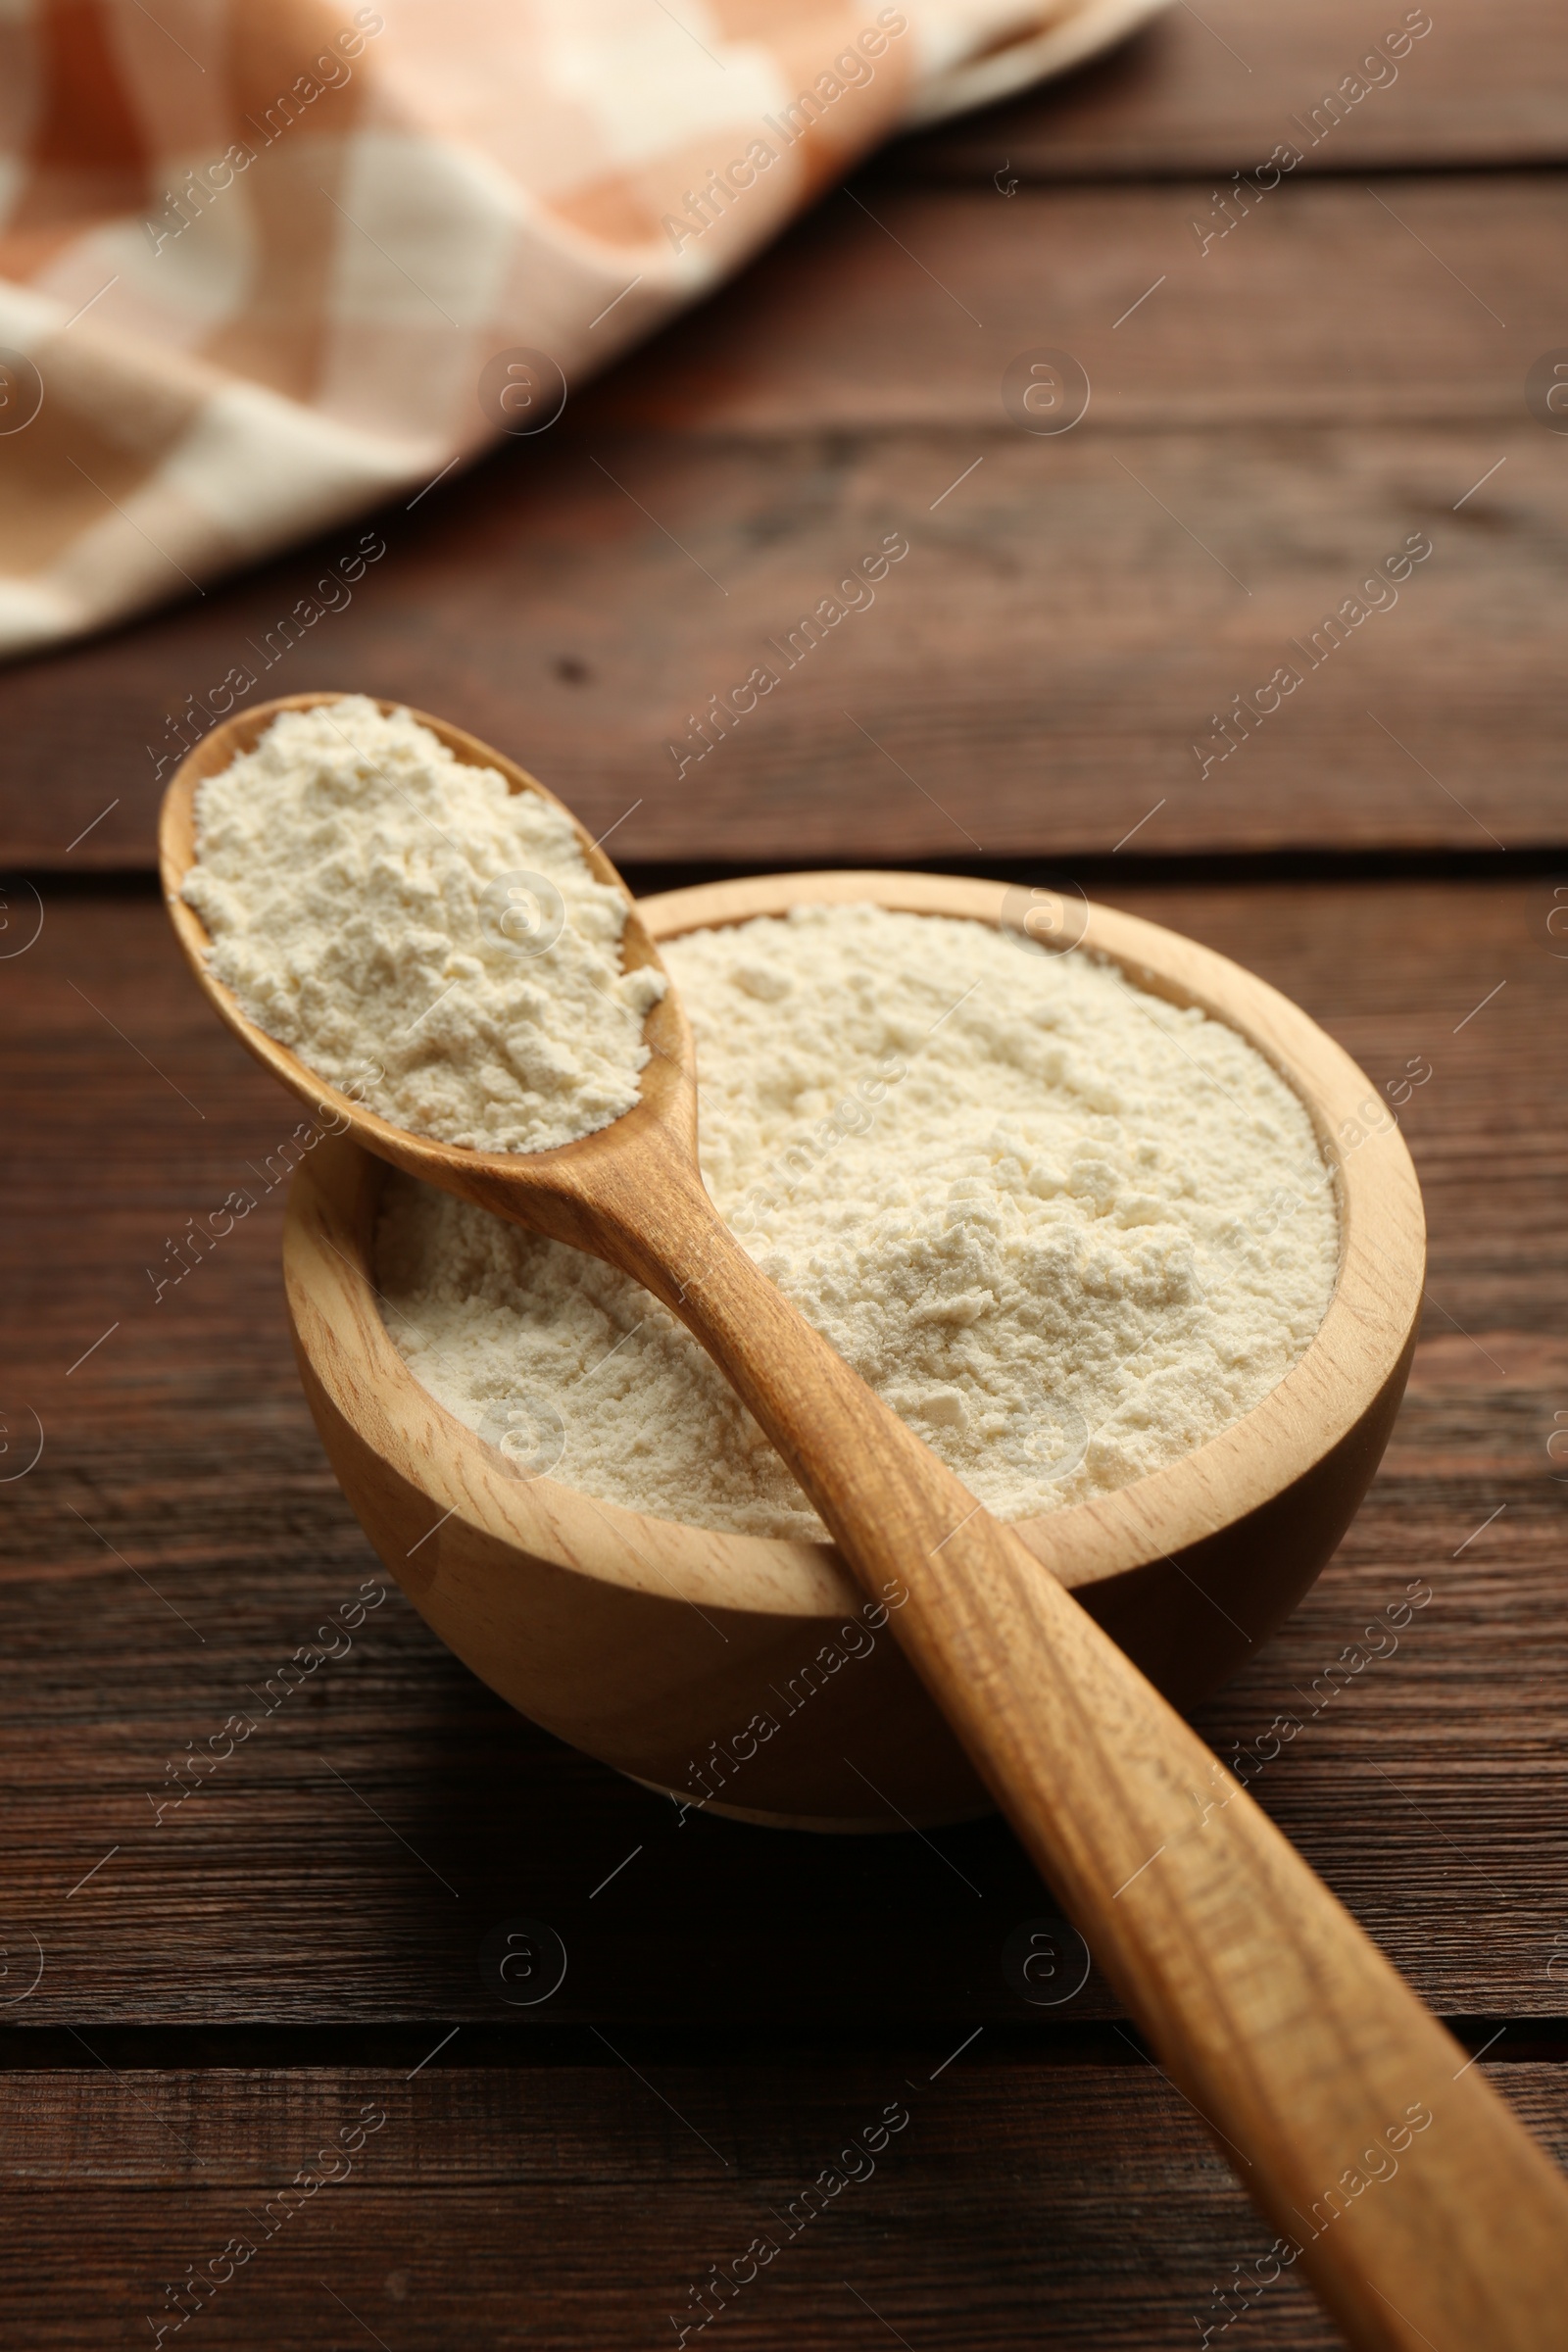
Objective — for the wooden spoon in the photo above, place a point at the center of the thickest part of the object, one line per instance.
(1422, 2210)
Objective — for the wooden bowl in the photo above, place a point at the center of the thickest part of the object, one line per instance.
(657, 1648)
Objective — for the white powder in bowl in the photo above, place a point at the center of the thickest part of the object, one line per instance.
(1067, 1230)
(414, 930)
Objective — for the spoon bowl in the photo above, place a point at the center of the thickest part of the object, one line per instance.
(666, 1097)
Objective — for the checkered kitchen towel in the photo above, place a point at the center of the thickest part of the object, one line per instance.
(265, 262)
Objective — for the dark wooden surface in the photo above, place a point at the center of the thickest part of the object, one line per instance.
(1028, 2203)
(1214, 89)
(220, 1991)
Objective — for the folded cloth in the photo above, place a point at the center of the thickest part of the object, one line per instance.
(264, 263)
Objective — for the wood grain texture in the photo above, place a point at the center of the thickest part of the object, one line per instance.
(1428, 1786)
(1275, 419)
(1212, 90)
(1079, 2205)
(580, 2206)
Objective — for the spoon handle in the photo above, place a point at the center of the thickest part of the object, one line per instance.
(1422, 2209)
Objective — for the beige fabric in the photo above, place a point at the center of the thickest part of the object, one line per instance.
(258, 256)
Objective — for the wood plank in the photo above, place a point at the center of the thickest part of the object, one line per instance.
(1319, 308)
(1427, 1787)
(1080, 2206)
(1264, 429)
(1215, 90)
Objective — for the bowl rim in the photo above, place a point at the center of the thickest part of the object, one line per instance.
(328, 1237)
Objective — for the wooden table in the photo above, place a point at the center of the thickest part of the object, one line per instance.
(224, 1991)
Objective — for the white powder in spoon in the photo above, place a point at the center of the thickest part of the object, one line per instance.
(414, 930)
(1066, 1229)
